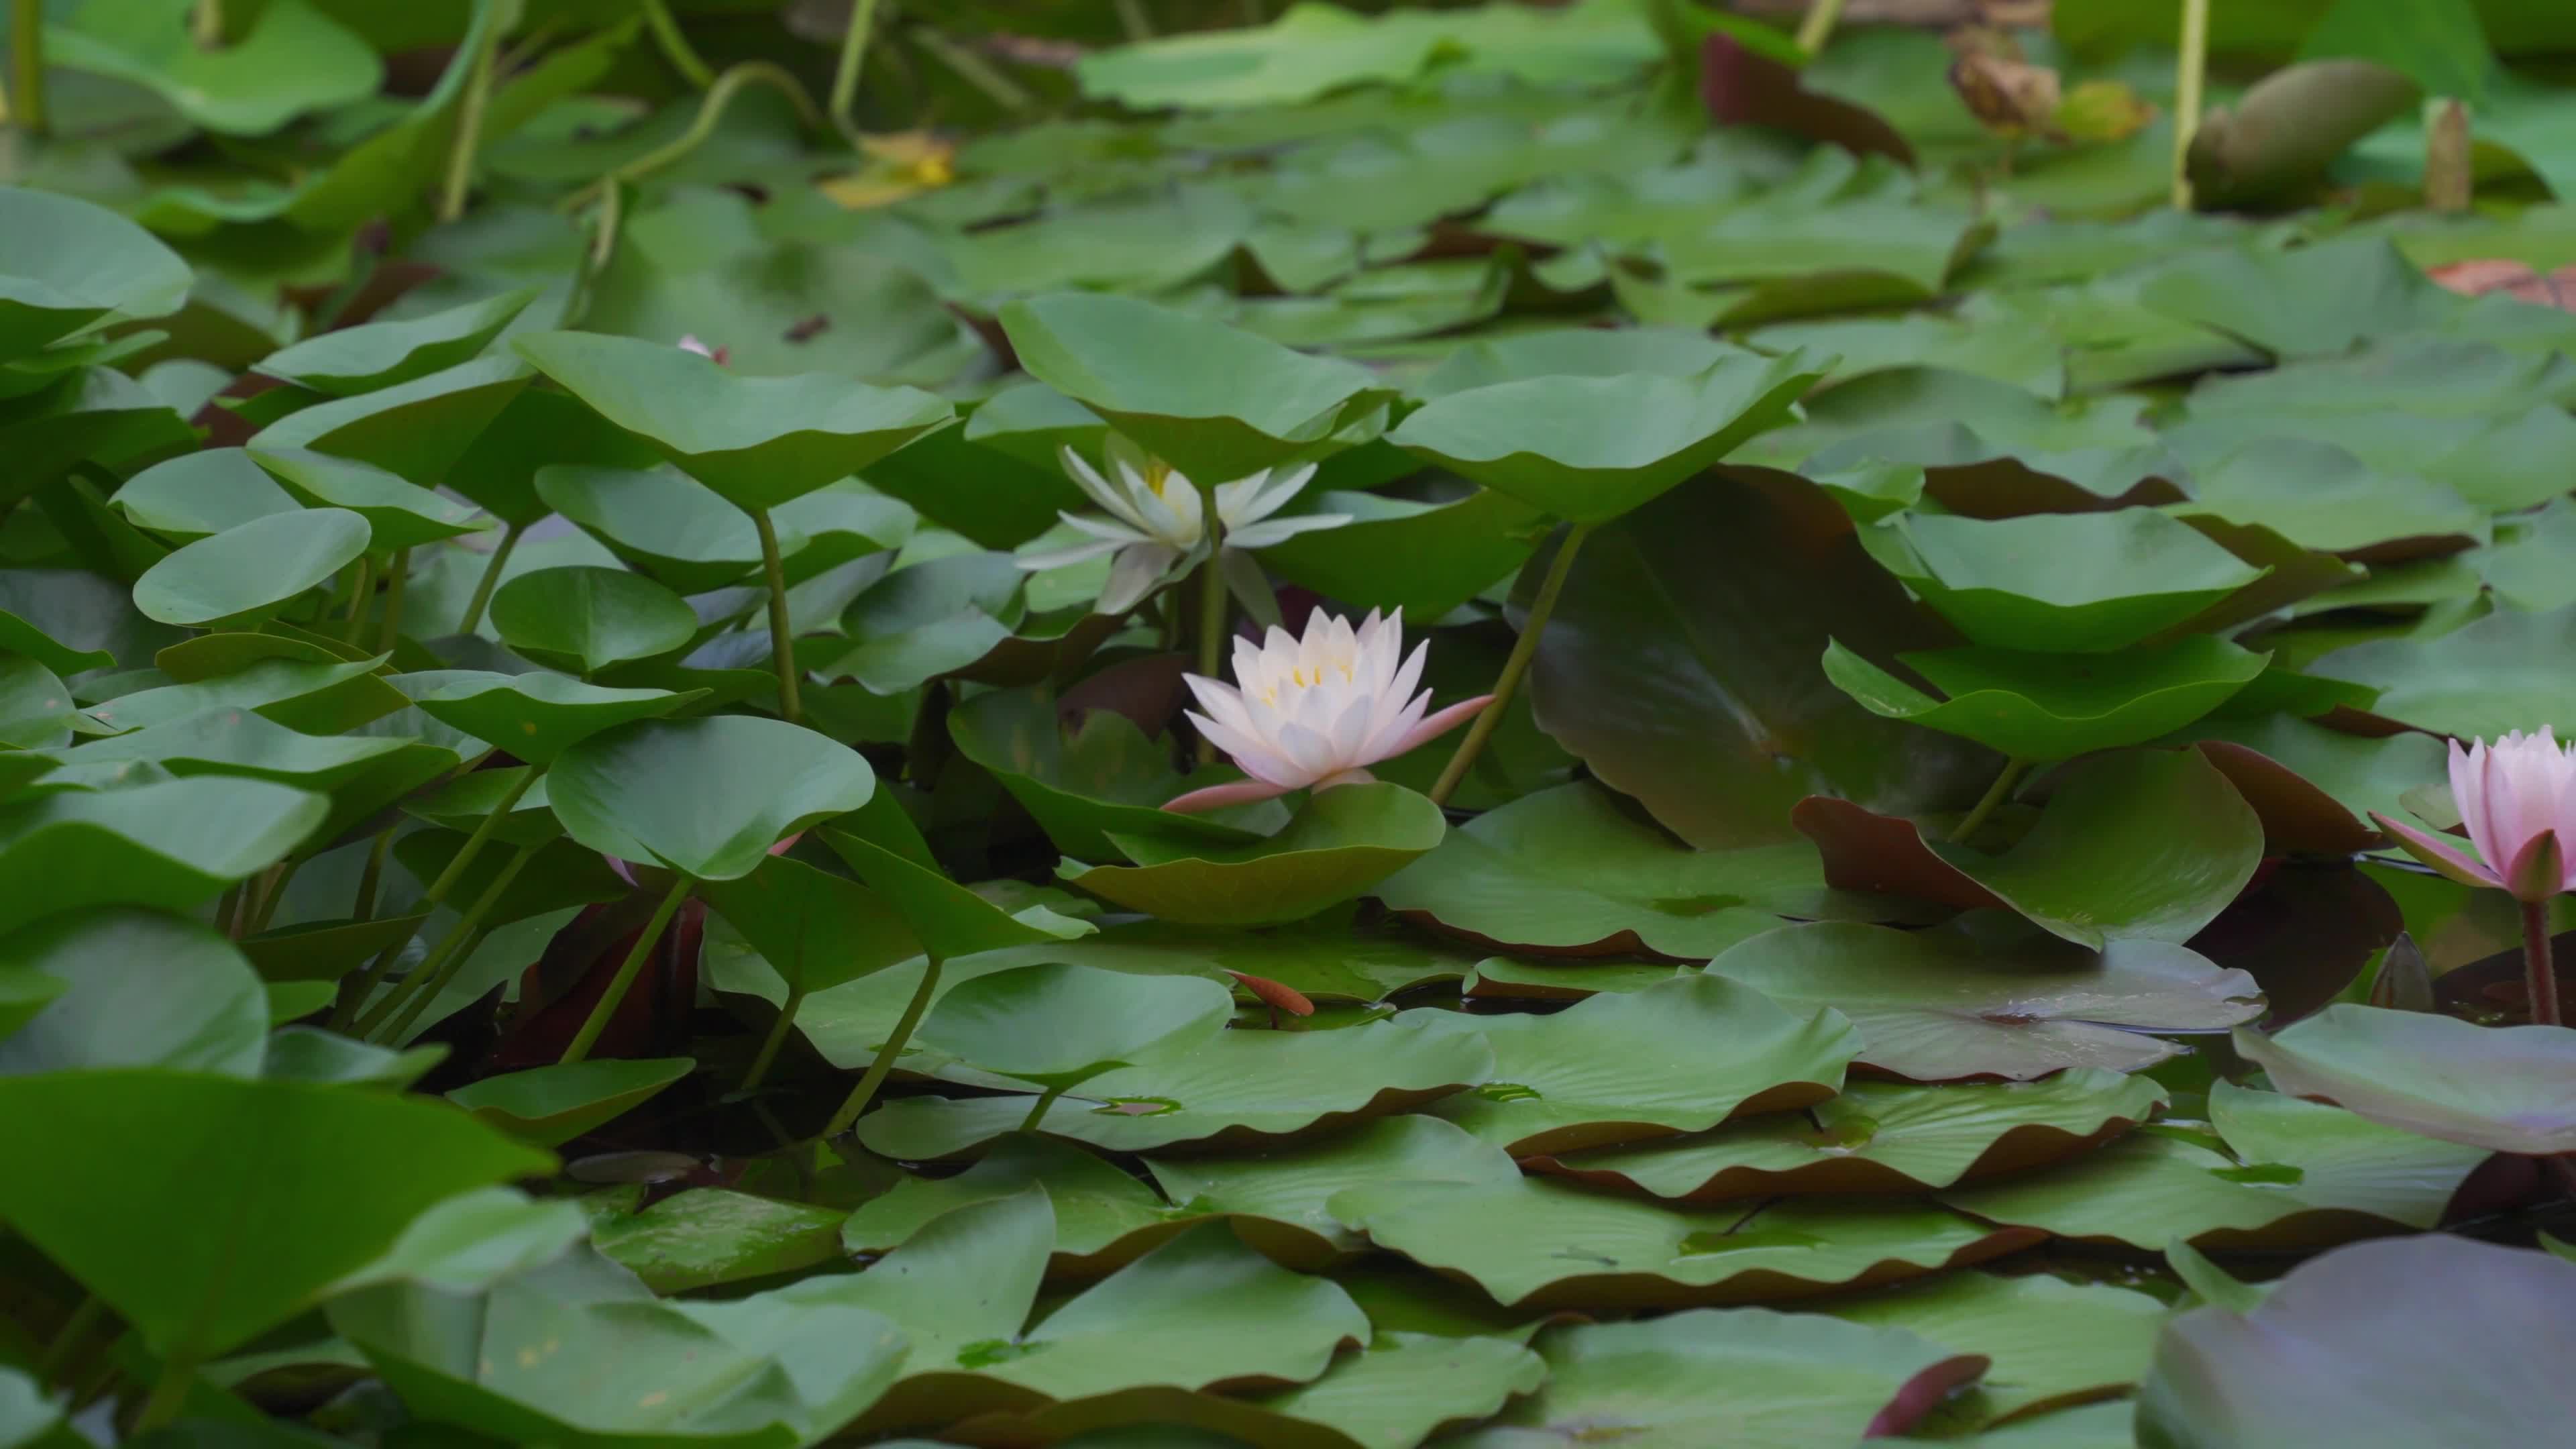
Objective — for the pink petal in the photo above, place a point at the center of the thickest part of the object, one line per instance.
(2523, 875)
(1240, 792)
(1436, 725)
(2438, 853)
(624, 871)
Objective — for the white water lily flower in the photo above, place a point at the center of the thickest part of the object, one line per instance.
(1157, 523)
(1317, 711)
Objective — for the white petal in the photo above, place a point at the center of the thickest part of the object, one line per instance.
(1088, 479)
(1056, 558)
(1109, 529)
(1262, 535)
(1138, 568)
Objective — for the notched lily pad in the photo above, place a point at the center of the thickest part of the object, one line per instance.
(1343, 841)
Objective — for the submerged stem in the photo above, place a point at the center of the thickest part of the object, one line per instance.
(866, 1091)
(1508, 683)
(782, 638)
(2540, 974)
(627, 971)
(1996, 794)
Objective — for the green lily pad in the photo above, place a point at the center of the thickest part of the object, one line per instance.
(142, 990)
(67, 263)
(2059, 582)
(1104, 1217)
(2053, 1343)
(1880, 1137)
(2317, 301)
(1106, 777)
(1777, 1380)
(946, 918)
(326, 950)
(310, 1054)
(1607, 1251)
(362, 359)
(705, 797)
(2481, 681)
(758, 441)
(816, 930)
(1237, 1088)
(250, 1143)
(1973, 1001)
(35, 707)
(584, 618)
(661, 521)
(173, 845)
(462, 804)
(2054, 706)
(928, 619)
(2291, 1174)
(1342, 842)
(399, 514)
(1682, 1055)
(1576, 352)
(24, 992)
(72, 621)
(252, 570)
(1059, 1025)
(198, 494)
(417, 430)
(1215, 402)
(2349, 1349)
(1565, 870)
(1423, 558)
(473, 1240)
(1592, 449)
(537, 716)
(2498, 1088)
(532, 432)
(292, 59)
(313, 697)
(558, 873)
(2319, 496)
(708, 1236)
(549, 1106)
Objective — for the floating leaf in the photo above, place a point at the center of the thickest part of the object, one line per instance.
(708, 1236)
(673, 528)
(705, 797)
(1106, 777)
(398, 515)
(2067, 582)
(417, 429)
(1423, 558)
(67, 263)
(2480, 681)
(537, 715)
(549, 1106)
(173, 845)
(141, 989)
(2500, 1088)
(1059, 1025)
(1680, 1056)
(1974, 1001)
(2053, 1343)
(362, 359)
(2053, 706)
(251, 570)
(1342, 841)
(198, 494)
(586, 619)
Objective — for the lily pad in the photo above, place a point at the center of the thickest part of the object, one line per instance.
(2054, 706)
(585, 618)
(1975, 1001)
(1059, 1025)
(1680, 1056)
(173, 845)
(1776, 1380)
(1567, 871)
(1591, 449)
(247, 1143)
(1395, 553)
(316, 698)
(1104, 777)
(362, 359)
(2275, 1172)
(141, 989)
(709, 1236)
(1343, 841)
(2480, 681)
(1215, 402)
(816, 930)
(2504, 1089)
(417, 429)
(2053, 1343)
(666, 524)
(758, 441)
(2348, 1349)
(537, 715)
(705, 797)
(198, 494)
(1880, 1137)
(2319, 496)
(399, 515)
(549, 1106)
(1237, 1088)
(2059, 582)
(67, 263)
(251, 570)
(1607, 1251)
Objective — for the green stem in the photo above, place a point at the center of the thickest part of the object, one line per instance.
(675, 46)
(397, 574)
(443, 959)
(359, 588)
(866, 1091)
(169, 1392)
(1038, 1112)
(782, 636)
(272, 889)
(777, 1038)
(1133, 19)
(711, 111)
(2191, 69)
(420, 1001)
(1509, 682)
(1211, 628)
(1818, 26)
(67, 1341)
(357, 988)
(27, 56)
(969, 67)
(491, 580)
(228, 909)
(206, 25)
(1996, 794)
(2540, 974)
(627, 971)
(371, 879)
(469, 127)
(845, 72)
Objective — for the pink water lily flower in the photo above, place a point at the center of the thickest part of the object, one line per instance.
(1317, 711)
(2517, 798)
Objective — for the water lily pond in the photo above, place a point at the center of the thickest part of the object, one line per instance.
(1182, 724)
